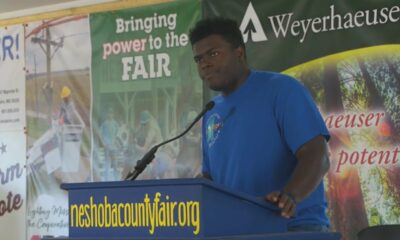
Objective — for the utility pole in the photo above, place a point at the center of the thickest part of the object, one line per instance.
(46, 45)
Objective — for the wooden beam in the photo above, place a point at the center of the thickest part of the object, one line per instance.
(121, 4)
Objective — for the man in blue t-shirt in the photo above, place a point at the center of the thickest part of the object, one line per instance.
(264, 136)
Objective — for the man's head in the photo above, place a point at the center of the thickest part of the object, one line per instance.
(226, 28)
(145, 117)
(65, 93)
(219, 53)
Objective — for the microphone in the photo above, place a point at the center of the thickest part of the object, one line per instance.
(149, 156)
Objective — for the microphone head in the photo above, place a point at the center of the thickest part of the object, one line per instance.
(209, 105)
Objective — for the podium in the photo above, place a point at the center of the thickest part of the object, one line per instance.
(176, 209)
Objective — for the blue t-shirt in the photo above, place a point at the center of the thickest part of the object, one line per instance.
(251, 136)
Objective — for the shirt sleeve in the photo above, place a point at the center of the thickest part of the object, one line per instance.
(298, 116)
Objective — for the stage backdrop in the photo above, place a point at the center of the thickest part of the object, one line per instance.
(103, 88)
(347, 53)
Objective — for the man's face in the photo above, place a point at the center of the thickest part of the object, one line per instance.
(218, 63)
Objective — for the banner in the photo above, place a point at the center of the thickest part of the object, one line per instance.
(12, 137)
(13, 185)
(347, 55)
(103, 89)
(58, 119)
(145, 90)
(12, 87)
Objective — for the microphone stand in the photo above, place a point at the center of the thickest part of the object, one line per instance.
(149, 156)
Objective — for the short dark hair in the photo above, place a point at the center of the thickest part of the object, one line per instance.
(226, 28)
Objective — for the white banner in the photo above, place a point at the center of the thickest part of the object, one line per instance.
(13, 185)
(12, 79)
(12, 136)
(58, 114)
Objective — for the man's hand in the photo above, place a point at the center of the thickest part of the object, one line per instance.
(284, 201)
(311, 167)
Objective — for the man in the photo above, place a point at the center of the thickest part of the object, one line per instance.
(70, 127)
(68, 113)
(109, 132)
(148, 135)
(264, 135)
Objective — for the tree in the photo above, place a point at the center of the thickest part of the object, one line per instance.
(346, 201)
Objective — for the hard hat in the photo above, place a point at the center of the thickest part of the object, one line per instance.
(65, 92)
(145, 117)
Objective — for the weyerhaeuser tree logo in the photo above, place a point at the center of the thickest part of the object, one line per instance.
(251, 26)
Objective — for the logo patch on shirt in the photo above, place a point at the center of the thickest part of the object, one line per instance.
(214, 126)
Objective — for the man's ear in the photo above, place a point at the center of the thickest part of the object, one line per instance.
(241, 52)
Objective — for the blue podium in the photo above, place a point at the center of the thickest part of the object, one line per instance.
(178, 209)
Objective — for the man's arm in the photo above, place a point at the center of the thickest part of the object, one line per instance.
(150, 139)
(312, 165)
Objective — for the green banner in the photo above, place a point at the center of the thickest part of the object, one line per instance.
(290, 33)
(145, 88)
